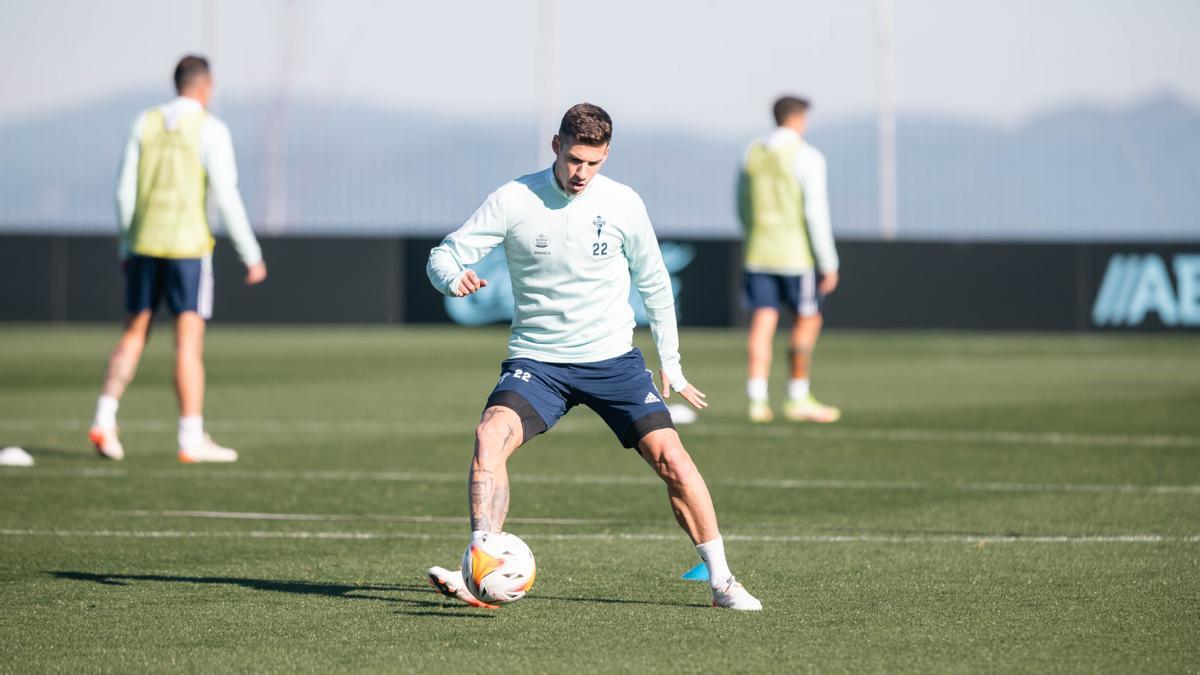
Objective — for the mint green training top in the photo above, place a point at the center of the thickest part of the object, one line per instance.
(572, 261)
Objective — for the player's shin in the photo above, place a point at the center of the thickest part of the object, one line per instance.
(496, 438)
(488, 498)
(693, 508)
(690, 499)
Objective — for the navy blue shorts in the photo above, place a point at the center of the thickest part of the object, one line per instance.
(796, 293)
(620, 390)
(186, 283)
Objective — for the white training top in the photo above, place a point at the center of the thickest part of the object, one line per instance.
(571, 260)
(811, 173)
(216, 153)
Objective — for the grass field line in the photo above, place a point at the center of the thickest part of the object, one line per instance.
(426, 427)
(643, 536)
(598, 479)
(341, 517)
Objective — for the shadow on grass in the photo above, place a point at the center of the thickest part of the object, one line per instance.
(346, 591)
(616, 601)
(75, 454)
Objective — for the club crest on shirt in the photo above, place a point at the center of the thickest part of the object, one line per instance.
(542, 243)
(599, 223)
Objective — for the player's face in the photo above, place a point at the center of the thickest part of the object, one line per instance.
(576, 164)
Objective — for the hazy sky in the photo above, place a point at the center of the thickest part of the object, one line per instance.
(705, 65)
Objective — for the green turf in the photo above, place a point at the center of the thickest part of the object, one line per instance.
(989, 503)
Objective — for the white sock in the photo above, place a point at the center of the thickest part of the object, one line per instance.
(798, 389)
(756, 389)
(106, 412)
(713, 554)
(191, 431)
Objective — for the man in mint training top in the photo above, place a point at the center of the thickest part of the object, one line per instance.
(575, 241)
(790, 259)
(176, 152)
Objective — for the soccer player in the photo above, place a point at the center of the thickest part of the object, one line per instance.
(790, 259)
(573, 240)
(175, 153)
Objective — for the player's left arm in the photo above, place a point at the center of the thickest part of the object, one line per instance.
(216, 146)
(653, 282)
(813, 179)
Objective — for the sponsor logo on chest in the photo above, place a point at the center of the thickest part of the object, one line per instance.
(541, 245)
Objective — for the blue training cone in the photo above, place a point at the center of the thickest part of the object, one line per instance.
(697, 573)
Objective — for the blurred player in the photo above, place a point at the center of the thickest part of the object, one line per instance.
(790, 258)
(175, 153)
(573, 240)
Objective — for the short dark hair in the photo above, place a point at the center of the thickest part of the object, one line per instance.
(786, 106)
(190, 69)
(587, 124)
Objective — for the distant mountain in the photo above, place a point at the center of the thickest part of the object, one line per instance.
(1083, 173)
(1077, 173)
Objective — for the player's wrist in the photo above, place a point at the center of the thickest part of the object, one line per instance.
(675, 376)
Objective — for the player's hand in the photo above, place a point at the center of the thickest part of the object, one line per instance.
(829, 282)
(470, 283)
(256, 273)
(690, 393)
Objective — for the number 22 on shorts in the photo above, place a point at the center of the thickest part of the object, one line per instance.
(518, 374)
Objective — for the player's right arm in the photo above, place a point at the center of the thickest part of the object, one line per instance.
(812, 173)
(127, 185)
(216, 145)
(483, 231)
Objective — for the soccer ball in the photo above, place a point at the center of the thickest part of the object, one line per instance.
(498, 567)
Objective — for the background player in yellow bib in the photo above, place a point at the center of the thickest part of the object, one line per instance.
(176, 152)
(790, 258)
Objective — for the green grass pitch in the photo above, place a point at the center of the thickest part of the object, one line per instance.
(989, 503)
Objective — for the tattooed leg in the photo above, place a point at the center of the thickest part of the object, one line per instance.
(498, 435)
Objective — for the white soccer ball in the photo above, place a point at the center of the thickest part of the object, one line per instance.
(498, 567)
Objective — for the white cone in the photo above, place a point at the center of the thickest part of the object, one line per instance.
(681, 413)
(14, 456)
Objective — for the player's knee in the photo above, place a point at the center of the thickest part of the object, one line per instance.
(487, 453)
(135, 334)
(492, 436)
(802, 350)
(759, 346)
(190, 354)
(486, 437)
(674, 465)
(133, 343)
